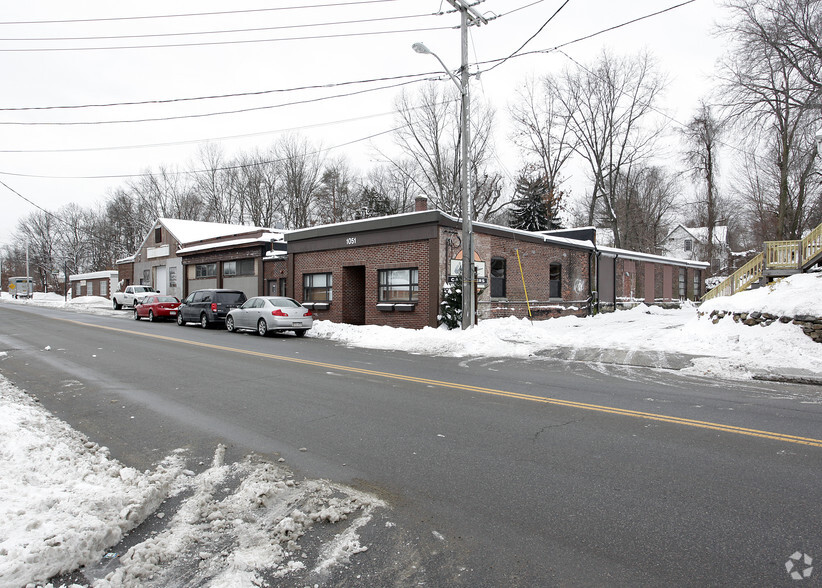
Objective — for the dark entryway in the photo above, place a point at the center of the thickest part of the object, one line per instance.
(353, 295)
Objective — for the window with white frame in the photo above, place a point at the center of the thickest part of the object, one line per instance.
(318, 287)
(399, 285)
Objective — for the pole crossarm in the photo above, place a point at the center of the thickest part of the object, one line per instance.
(474, 17)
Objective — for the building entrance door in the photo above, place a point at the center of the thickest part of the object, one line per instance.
(353, 295)
(161, 277)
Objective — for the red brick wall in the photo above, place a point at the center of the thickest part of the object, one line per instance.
(536, 260)
(410, 254)
(273, 270)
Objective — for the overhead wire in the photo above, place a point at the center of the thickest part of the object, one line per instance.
(217, 96)
(192, 14)
(219, 32)
(222, 43)
(208, 114)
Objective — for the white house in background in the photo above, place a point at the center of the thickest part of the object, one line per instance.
(156, 262)
(94, 283)
(691, 243)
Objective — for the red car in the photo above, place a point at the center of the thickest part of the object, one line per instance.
(157, 307)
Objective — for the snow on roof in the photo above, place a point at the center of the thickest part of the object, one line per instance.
(93, 275)
(188, 231)
(625, 253)
(264, 238)
(701, 233)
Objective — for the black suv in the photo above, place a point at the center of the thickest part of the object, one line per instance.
(209, 307)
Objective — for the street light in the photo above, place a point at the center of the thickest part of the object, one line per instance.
(819, 140)
(468, 287)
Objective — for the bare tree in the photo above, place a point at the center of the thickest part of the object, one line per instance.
(610, 105)
(791, 28)
(391, 188)
(542, 132)
(702, 136)
(429, 138)
(646, 206)
(212, 184)
(337, 198)
(299, 167)
(767, 98)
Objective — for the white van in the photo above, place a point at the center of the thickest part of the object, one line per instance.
(21, 287)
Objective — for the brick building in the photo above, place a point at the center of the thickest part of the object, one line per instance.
(393, 270)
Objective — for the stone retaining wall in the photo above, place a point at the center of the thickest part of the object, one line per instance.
(811, 325)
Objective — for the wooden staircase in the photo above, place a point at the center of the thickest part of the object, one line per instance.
(779, 259)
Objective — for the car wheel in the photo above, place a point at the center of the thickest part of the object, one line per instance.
(300, 332)
(136, 315)
(204, 321)
(262, 328)
(229, 324)
(114, 304)
(151, 318)
(180, 320)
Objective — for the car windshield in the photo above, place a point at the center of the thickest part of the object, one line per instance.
(231, 297)
(283, 302)
(167, 299)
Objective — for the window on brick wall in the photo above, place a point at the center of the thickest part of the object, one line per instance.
(498, 277)
(317, 287)
(697, 291)
(399, 285)
(555, 277)
(205, 270)
(682, 292)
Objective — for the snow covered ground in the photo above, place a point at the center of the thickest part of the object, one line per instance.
(64, 501)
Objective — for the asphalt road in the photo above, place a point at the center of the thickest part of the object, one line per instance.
(498, 472)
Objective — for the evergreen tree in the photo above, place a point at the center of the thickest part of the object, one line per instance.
(451, 306)
(536, 208)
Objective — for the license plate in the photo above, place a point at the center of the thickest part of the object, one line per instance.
(296, 324)
(173, 312)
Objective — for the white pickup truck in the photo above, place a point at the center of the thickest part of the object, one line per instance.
(131, 296)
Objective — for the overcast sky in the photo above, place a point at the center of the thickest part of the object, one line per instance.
(52, 165)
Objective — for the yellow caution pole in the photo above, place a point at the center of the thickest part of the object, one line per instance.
(527, 301)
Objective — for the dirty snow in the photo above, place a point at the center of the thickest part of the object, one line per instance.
(64, 503)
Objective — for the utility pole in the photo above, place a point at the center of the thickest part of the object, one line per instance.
(468, 15)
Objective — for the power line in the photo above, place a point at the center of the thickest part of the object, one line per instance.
(218, 43)
(592, 35)
(191, 172)
(220, 13)
(208, 114)
(531, 38)
(216, 96)
(205, 140)
(220, 32)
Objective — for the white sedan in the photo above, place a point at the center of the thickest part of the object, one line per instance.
(264, 314)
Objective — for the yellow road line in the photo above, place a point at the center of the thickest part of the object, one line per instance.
(490, 391)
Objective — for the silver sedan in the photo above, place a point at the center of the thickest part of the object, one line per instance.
(264, 314)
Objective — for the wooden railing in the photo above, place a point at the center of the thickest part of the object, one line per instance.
(811, 246)
(779, 256)
(739, 280)
(782, 255)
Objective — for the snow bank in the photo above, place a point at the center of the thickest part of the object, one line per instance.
(64, 503)
(797, 295)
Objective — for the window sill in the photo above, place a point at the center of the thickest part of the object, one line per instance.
(398, 306)
(317, 305)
